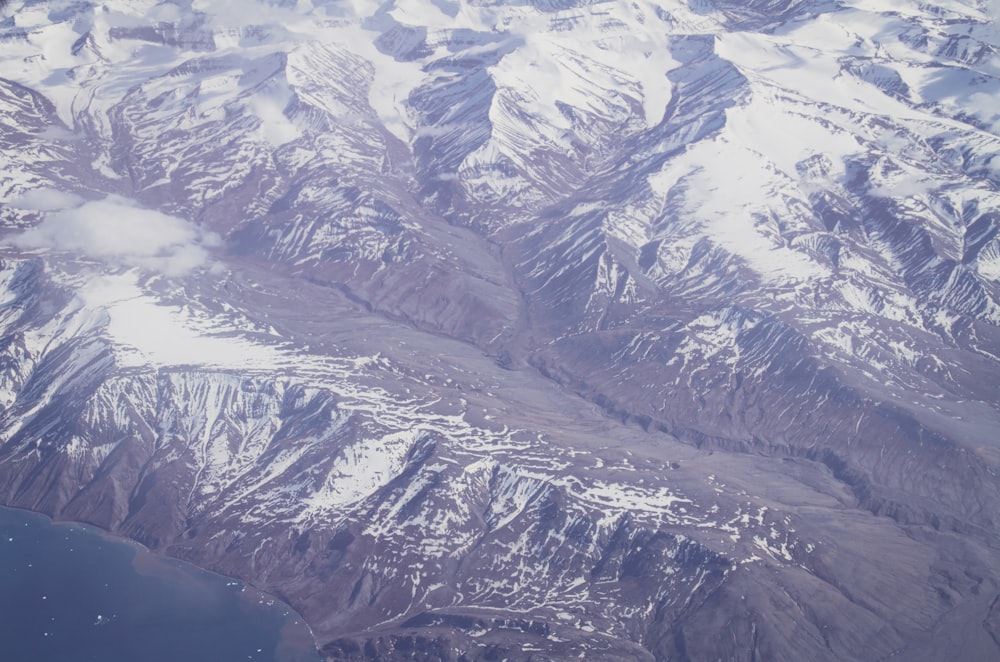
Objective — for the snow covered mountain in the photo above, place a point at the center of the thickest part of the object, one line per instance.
(546, 329)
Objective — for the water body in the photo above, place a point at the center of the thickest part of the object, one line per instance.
(71, 592)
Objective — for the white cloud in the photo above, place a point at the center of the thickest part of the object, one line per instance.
(46, 199)
(275, 127)
(117, 231)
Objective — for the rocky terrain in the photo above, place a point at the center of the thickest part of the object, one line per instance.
(541, 330)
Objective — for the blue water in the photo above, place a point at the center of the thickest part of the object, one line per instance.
(70, 592)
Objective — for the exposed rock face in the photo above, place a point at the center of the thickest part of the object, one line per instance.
(520, 331)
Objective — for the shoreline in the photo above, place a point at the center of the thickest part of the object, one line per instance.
(251, 595)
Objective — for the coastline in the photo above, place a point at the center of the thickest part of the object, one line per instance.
(292, 632)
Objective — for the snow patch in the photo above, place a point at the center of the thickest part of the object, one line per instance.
(361, 469)
(144, 332)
